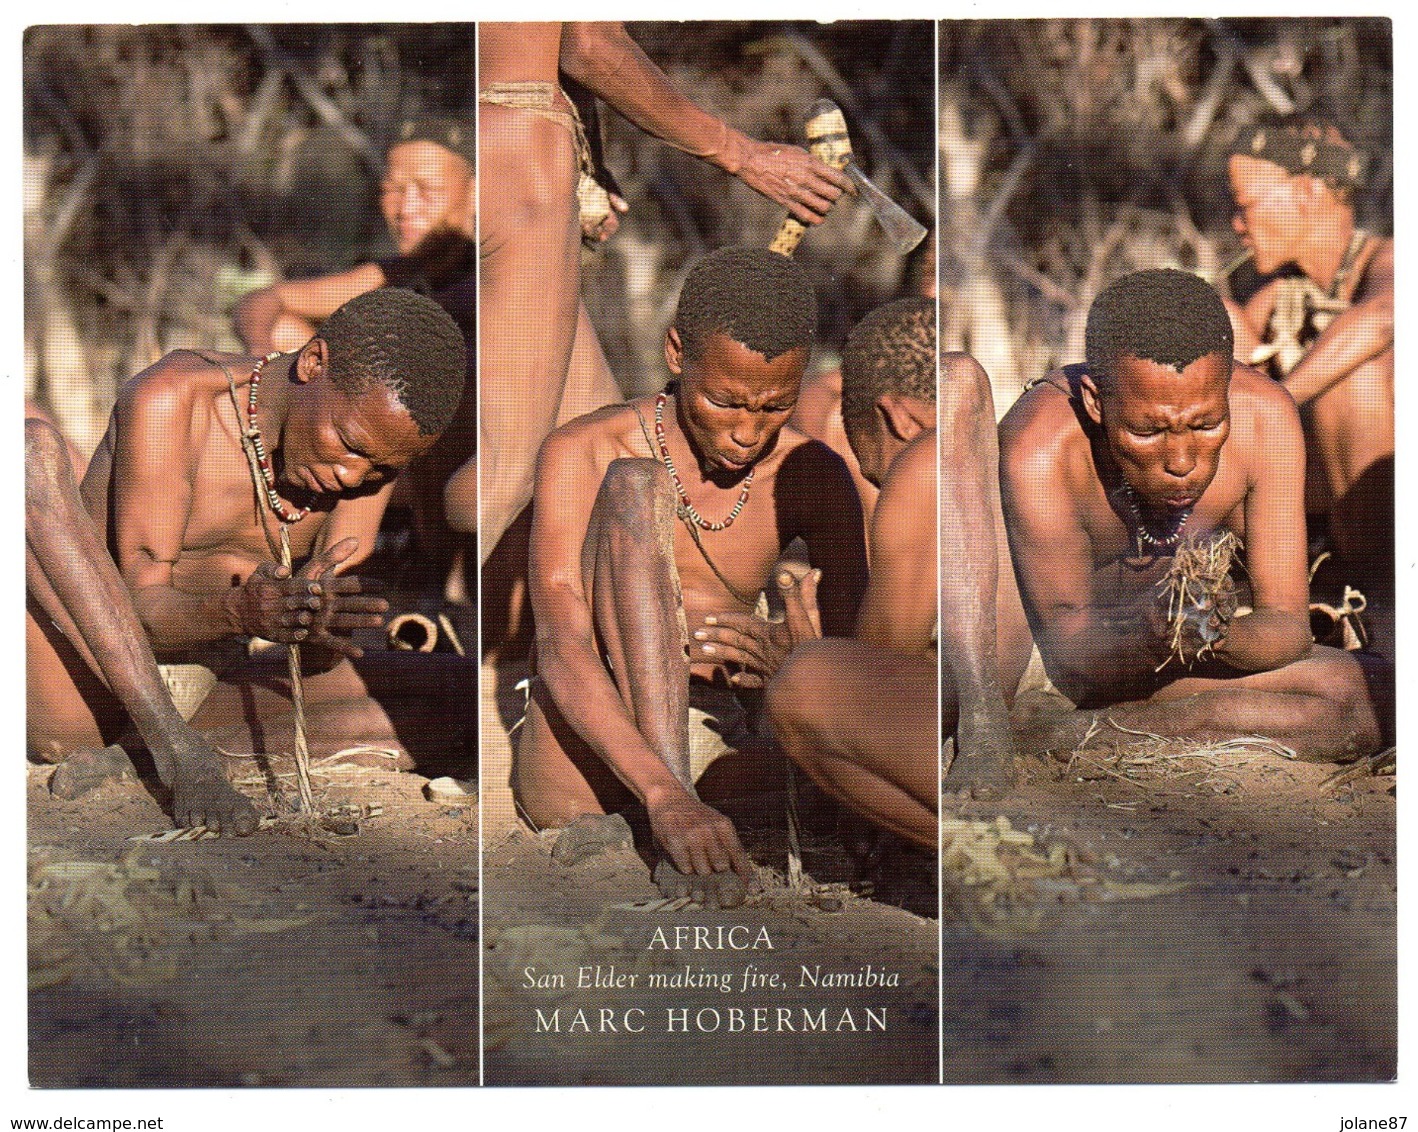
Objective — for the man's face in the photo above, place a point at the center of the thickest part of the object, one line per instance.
(733, 402)
(1267, 216)
(426, 188)
(336, 444)
(1165, 429)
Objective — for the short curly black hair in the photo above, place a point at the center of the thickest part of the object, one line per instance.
(1163, 315)
(892, 350)
(404, 341)
(758, 298)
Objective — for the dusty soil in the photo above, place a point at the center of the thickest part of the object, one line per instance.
(604, 913)
(1214, 917)
(1276, 962)
(278, 959)
(1218, 919)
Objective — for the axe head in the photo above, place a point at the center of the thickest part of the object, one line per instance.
(901, 228)
(826, 129)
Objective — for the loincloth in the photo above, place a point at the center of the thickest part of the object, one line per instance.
(720, 723)
(190, 675)
(539, 98)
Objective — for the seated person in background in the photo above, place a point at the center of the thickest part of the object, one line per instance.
(428, 199)
(1327, 332)
(173, 487)
(1108, 469)
(652, 516)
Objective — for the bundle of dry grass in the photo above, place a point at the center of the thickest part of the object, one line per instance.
(987, 870)
(1201, 595)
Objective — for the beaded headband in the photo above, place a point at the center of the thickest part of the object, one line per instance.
(1298, 151)
(453, 135)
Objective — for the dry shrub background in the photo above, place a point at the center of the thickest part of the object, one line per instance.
(170, 169)
(1076, 151)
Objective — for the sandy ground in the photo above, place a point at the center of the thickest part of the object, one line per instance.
(1225, 918)
(278, 959)
(1276, 962)
(1217, 916)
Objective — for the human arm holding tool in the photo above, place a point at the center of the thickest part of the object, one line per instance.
(604, 58)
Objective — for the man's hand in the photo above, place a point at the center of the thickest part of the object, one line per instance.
(314, 605)
(1203, 622)
(597, 227)
(759, 647)
(698, 840)
(790, 176)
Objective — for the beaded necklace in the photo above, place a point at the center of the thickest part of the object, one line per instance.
(1164, 540)
(252, 435)
(686, 507)
(683, 514)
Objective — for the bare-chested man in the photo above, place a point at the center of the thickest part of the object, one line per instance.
(1328, 333)
(173, 494)
(826, 703)
(531, 145)
(652, 516)
(427, 197)
(1106, 467)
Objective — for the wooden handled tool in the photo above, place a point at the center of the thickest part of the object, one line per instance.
(826, 130)
(827, 140)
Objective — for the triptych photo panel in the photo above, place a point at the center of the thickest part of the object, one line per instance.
(710, 553)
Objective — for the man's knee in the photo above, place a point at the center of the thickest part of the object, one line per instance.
(1358, 692)
(637, 492)
(793, 696)
(46, 463)
(966, 397)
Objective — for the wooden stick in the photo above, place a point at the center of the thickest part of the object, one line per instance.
(297, 699)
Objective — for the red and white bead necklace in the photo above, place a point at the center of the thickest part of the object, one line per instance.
(686, 507)
(263, 461)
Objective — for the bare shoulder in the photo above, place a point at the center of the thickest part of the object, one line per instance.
(1265, 423)
(819, 397)
(1041, 434)
(596, 438)
(1258, 401)
(175, 392)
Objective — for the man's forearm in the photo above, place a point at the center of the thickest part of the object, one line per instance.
(1265, 640)
(1355, 336)
(589, 701)
(608, 62)
(174, 619)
